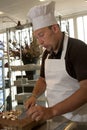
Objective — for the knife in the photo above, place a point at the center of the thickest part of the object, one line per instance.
(23, 114)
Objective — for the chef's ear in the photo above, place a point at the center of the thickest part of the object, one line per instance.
(55, 28)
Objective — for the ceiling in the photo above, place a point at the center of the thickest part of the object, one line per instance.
(16, 10)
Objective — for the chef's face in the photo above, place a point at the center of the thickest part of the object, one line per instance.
(47, 37)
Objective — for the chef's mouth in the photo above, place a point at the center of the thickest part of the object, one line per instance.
(47, 47)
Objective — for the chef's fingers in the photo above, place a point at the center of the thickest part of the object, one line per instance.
(32, 110)
(28, 104)
(38, 118)
(35, 115)
(31, 101)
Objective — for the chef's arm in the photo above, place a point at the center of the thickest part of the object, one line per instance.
(39, 88)
(37, 91)
(73, 102)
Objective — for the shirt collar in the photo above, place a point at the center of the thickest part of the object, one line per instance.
(61, 46)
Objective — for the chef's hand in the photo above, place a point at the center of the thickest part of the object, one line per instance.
(40, 113)
(31, 101)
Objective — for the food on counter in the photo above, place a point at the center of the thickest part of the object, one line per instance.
(12, 115)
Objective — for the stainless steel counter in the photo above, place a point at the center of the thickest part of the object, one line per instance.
(55, 124)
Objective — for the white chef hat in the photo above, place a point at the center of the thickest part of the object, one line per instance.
(42, 15)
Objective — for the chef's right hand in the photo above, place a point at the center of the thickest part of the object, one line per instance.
(31, 101)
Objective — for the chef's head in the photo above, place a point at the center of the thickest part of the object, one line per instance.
(42, 16)
(45, 25)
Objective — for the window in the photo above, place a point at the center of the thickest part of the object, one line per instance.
(67, 26)
(71, 27)
(82, 28)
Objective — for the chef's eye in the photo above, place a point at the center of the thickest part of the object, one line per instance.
(41, 34)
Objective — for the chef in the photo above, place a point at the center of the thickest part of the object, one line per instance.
(63, 74)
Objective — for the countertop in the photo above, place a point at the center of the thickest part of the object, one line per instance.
(55, 124)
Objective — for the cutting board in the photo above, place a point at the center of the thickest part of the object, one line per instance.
(19, 124)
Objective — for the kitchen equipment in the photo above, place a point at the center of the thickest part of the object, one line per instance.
(21, 123)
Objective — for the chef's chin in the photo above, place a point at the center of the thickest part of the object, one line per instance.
(49, 49)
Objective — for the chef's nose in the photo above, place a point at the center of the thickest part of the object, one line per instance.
(40, 41)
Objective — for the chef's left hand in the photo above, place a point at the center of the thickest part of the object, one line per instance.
(39, 113)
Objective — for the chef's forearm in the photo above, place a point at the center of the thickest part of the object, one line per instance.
(39, 88)
(72, 103)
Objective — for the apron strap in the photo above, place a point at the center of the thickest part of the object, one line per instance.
(65, 42)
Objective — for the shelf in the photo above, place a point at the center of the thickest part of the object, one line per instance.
(22, 96)
(42, 100)
(29, 67)
(17, 62)
(1, 58)
(25, 83)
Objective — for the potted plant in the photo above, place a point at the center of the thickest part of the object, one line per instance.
(29, 53)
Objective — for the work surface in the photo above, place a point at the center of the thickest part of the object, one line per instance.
(28, 124)
(55, 124)
(22, 122)
(48, 125)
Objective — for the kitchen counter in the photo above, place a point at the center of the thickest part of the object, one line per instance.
(48, 125)
(55, 124)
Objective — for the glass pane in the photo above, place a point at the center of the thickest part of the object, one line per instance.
(1, 100)
(63, 25)
(85, 28)
(1, 53)
(67, 26)
(80, 28)
(1, 82)
(71, 28)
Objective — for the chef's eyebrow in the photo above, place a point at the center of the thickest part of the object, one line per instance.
(40, 34)
(50, 26)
